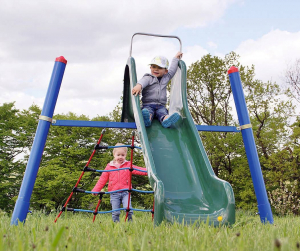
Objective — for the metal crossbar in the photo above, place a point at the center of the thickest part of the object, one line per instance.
(132, 125)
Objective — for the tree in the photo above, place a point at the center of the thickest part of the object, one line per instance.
(65, 155)
(209, 97)
(210, 102)
(292, 77)
(16, 135)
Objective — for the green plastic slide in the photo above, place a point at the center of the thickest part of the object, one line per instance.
(185, 186)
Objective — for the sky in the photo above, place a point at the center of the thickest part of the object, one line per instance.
(95, 38)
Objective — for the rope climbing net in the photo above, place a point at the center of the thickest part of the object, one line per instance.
(129, 189)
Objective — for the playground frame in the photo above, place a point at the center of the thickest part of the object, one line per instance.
(45, 120)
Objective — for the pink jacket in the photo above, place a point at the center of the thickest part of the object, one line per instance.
(117, 179)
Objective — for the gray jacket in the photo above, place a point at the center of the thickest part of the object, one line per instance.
(153, 91)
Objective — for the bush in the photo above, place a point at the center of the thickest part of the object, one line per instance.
(285, 199)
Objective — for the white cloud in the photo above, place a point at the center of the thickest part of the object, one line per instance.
(212, 45)
(193, 54)
(271, 54)
(95, 38)
(82, 31)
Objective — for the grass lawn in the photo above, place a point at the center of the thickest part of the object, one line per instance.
(78, 232)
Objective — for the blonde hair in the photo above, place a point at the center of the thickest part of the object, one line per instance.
(123, 148)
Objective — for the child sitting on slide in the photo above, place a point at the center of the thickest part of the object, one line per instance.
(154, 90)
(118, 180)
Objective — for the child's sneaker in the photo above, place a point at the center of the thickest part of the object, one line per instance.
(171, 120)
(146, 116)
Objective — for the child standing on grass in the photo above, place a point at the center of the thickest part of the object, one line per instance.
(118, 180)
(154, 90)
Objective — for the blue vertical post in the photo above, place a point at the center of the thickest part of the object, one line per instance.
(23, 201)
(264, 207)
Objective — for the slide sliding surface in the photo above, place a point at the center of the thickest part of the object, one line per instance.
(185, 186)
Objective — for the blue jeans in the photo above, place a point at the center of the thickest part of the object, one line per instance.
(158, 111)
(115, 201)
